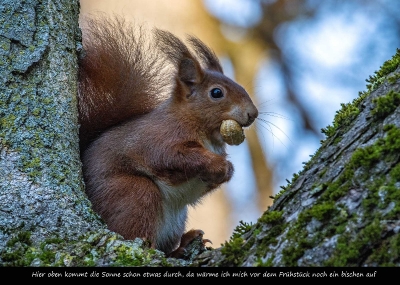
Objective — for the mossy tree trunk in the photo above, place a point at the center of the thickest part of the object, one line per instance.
(41, 189)
(343, 208)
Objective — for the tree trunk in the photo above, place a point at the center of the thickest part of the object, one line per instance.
(41, 186)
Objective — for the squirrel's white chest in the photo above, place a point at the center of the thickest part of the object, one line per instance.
(179, 196)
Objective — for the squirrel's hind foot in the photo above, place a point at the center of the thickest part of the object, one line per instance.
(187, 239)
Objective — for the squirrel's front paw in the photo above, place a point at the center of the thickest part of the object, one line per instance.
(230, 171)
(227, 173)
(219, 173)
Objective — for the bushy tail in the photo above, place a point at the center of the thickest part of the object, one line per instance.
(119, 75)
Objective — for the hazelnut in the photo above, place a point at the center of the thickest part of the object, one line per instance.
(231, 132)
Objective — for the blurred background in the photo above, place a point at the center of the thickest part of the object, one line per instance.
(299, 60)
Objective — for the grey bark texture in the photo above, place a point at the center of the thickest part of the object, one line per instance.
(342, 209)
(40, 182)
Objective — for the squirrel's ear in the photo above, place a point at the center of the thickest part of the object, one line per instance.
(190, 71)
(206, 55)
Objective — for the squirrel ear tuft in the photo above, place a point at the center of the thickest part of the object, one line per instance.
(206, 55)
(190, 71)
(189, 68)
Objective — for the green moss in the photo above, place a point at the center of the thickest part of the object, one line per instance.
(317, 189)
(387, 147)
(284, 188)
(267, 263)
(83, 252)
(274, 220)
(349, 111)
(270, 239)
(23, 237)
(387, 252)
(322, 173)
(385, 105)
(8, 122)
(20, 252)
(343, 117)
(234, 252)
(126, 256)
(321, 212)
(32, 166)
(365, 158)
(36, 112)
(339, 188)
(237, 248)
(242, 228)
(388, 67)
(296, 248)
(47, 101)
(271, 217)
(298, 236)
(16, 248)
(393, 78)
(351, 251)
(280, 193)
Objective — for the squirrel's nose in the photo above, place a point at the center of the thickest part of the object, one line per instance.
(252, 115)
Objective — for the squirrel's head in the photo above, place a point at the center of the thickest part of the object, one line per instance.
(207, 94)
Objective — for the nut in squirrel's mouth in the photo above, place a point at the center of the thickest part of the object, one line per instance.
(232, 132)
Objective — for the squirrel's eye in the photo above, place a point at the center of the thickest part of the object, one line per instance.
(216, 93)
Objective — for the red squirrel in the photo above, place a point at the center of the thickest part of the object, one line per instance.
(150, 117)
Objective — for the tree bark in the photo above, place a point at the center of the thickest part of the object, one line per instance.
(41, 186)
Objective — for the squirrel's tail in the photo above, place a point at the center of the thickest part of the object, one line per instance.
(119, 76)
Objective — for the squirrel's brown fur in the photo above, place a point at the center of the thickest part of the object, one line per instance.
(150, 117)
